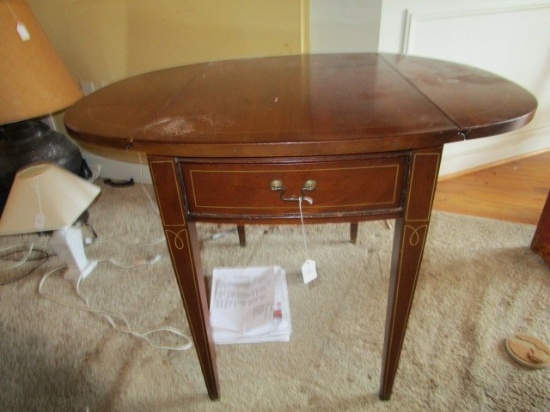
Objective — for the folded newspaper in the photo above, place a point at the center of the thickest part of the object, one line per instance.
(250, 305)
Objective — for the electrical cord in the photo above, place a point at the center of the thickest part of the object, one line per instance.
(8, 273)
(116, 320)
(12, 254)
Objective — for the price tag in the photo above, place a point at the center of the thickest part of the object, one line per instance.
(309, 272)
(39, 221)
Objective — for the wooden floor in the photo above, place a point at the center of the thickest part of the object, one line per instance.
(515, 191)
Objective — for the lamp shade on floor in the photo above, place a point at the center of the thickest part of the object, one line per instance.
(45, 197)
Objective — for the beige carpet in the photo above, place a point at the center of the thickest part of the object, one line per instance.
(479, 284)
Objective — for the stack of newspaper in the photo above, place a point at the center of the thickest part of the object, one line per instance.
(250, 305)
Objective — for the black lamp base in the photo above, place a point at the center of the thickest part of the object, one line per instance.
(30, 141)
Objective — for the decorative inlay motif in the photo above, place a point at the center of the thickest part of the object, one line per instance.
(178, 237)
(416, 237)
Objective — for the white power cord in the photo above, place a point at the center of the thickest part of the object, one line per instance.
(117, 321)
(20, 261)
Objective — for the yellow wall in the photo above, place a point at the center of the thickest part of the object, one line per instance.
(107, 40)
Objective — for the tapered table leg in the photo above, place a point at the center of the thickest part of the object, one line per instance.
(541, 239)
(183, 245)
(408, 248)
(353, 230)
(242, 235)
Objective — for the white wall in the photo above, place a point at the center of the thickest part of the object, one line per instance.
(510, 38)
(344, 25)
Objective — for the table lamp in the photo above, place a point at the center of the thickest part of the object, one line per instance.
(33, 83)
(45, 197)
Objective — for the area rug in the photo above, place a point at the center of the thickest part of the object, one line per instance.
(479, 284)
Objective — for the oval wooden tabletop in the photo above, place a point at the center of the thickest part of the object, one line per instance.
(300, 105)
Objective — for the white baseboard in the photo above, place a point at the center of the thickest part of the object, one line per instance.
(118, 170)
(463, 156)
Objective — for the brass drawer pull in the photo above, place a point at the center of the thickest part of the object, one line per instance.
(278, 186)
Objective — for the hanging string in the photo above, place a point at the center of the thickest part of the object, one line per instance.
(303, 225)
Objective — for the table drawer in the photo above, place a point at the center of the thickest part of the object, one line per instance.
(259, 188)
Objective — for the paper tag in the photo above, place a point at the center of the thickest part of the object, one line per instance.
(309, 272)
(39, 221)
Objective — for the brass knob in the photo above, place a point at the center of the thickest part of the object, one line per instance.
(309, 185)
(276, 185)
